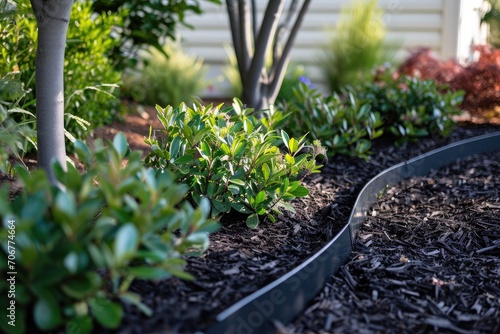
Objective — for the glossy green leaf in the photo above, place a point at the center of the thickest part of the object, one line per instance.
(120, 144)
(126, 242)
(174, 147)
(261, 196)
(300, 191)
(252, 221)
(293, 145)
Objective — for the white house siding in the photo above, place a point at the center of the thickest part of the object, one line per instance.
(448, 27)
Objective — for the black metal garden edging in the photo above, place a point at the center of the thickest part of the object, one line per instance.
(287, 296)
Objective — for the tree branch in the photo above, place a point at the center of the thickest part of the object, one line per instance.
(278, 70)
(280, 32)
(233, 14)
(268, 28)
(245, 33)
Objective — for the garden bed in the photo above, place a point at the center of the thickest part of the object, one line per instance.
(427, 259)
(240, 261)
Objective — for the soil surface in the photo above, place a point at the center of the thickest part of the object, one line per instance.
(427, 259)
(449, 284)
(240, 261)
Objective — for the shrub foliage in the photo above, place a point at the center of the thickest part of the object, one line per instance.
(78, 247)
(478, 79)
(231, 158)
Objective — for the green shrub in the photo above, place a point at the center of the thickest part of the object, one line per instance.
(343, 125)
(411, 107)
(166, 81)
(16, 138)
(75, 249)
(357, 46)
(90, 80)
(229, 157)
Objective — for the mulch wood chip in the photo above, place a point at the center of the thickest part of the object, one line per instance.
(426, 259)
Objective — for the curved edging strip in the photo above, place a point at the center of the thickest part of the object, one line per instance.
(287, 296)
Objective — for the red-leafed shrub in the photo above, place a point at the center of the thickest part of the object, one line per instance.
(480, 79)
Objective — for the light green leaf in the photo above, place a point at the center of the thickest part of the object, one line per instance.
(83, 152)
(238, 182)
(107, 313)
(135, 299)
(300, 191)
(126, 242)
(290, 159)
(120, 144)
(266, 171)
(293, 145)
(252, 221)
(47, 313)
(149, 272)
(261, 196)
(71, 262)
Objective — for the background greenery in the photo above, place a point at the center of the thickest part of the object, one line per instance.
(357, 46)
(162, 80)
(90, 78)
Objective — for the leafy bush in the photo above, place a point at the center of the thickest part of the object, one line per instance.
(478, 79)
(146, 24)
(16, 138)
(343, 125)
(90, 80)
(492, 18)
(166, 81)
(357, 46)
(230, 158)
(412, 108)
(77, 248)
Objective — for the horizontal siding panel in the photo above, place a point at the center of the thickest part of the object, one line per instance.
(323, 21)
(414, 23)
(336, 5)
(309, 39)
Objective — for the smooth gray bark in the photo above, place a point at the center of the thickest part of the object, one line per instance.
(252, 45)
(52, 17)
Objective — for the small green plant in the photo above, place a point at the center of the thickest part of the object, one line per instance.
(166, 81)
(357, 46)
(343, 125)
(16, 137)
(78, 247)
(412, 108)
(233, 160)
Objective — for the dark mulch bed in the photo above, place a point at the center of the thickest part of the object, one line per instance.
(427, 260)
(240, 261)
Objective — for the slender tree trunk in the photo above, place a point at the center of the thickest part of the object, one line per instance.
(52, 18)
(252, 44)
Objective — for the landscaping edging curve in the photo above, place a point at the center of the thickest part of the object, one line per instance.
(287, 296)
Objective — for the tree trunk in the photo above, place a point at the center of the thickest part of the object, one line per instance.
(52, 17)
(260, 86)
